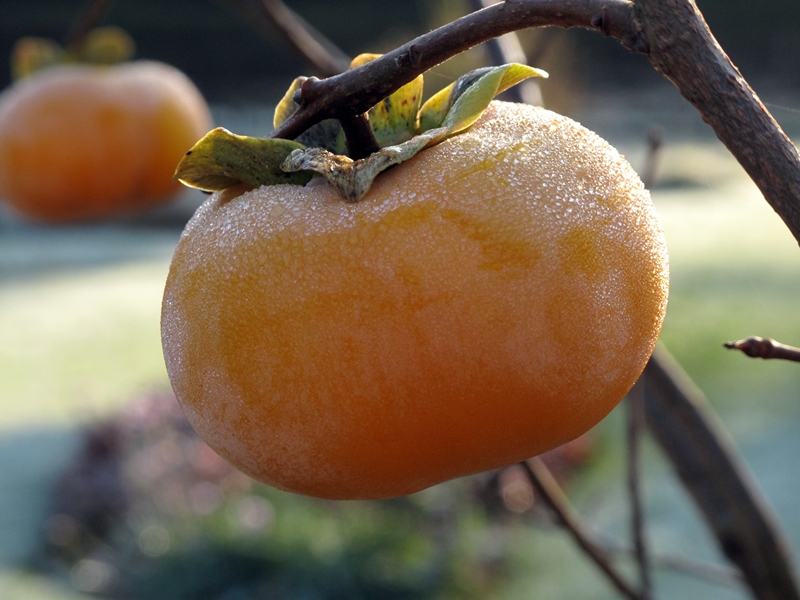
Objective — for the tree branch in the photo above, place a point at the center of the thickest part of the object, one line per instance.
(672, 33)
(323, 54)
(273, 16)
(683, 49)
(636, 425)
(756, 347)
(710, 572)
(89, 18)
(549, 491)
(712, 471)
(655, 142)
(354, 92)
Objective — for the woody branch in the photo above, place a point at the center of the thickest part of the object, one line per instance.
(672, 33)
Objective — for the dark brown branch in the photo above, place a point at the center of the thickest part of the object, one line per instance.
(273, 16)
(89, 18)
(709, 466)
(636, 425)
(756, 347)
(550, 492)
(354, 92)
(671, 32)
(683, 49)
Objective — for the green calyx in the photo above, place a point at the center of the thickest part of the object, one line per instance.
(106, 45)
(402, 126)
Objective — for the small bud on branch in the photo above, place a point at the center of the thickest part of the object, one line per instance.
(756, 347)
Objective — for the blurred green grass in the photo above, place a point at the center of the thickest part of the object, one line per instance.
(77, 344)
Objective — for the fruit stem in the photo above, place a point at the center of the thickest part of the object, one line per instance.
(359, 137)
(87, 20)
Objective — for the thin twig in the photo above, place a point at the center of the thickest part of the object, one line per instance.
(756, 347)
(507, 49)
(636, 425)
(699, 569)
(719, 574)
(273, 16)
(537, 48)
(356, 91)
(655, 141)
(89, 18)
(550, 492)
(322, 53)
(714, 474)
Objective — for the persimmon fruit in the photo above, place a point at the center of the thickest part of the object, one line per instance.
(488, 300)
(81, 142)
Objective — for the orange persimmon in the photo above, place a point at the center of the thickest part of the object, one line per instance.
(490, 299)
(84, 142)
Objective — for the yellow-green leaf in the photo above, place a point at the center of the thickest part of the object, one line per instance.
(394, 119)
(327, 134)
(362, 59)
(106, 45)
(433, 112)
(287, 106)
(461, 104)
(222, 159)
(31, 54)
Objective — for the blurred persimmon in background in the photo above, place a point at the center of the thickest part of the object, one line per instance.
(82, 139)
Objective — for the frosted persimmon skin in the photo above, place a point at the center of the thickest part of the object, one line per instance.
(84, 142)
(491, 299)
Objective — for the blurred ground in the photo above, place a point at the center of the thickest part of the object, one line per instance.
(79, 310)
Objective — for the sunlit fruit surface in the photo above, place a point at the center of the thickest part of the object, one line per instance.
(488, 300)
(81, 142)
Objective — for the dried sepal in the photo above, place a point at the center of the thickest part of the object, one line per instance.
(352, 179)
